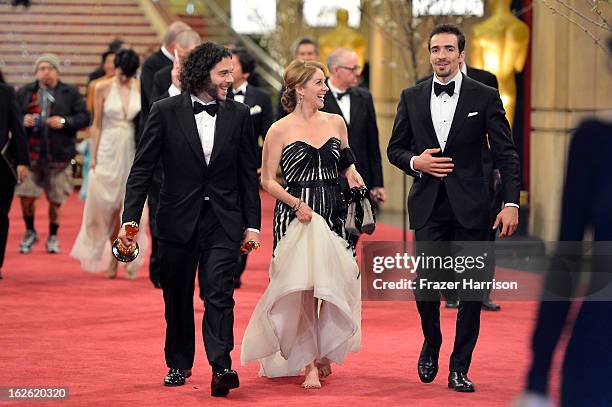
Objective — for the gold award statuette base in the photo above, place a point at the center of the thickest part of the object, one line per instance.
(127, 254)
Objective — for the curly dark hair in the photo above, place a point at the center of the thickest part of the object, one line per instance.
(195, 72)
(128, 61)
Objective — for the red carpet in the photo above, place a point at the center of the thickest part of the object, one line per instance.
(61, 326)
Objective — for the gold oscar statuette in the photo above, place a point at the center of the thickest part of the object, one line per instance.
(120, 251)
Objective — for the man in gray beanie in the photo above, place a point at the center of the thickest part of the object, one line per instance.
(52, 112)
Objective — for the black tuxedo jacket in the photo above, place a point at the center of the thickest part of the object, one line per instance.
(482, 76)
(151, 65)
(13, 150)
(262, 120)
(229, 180)
(467, 185)
(362, 133)
(161, 82)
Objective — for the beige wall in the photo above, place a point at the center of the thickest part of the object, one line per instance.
(570, 81)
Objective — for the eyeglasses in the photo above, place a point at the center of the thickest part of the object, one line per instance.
(354, 69)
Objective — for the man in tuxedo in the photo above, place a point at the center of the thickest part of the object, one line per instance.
(439, 137)
(492, 174)
(261, 113)
(13, 158)
(165, 81)
(304, 48)
(209, 203)
(164, 57)
(356, 106)
(156, 61)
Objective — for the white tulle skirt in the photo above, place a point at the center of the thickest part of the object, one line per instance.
(311, 309)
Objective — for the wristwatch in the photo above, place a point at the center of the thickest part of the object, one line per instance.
(62, 121)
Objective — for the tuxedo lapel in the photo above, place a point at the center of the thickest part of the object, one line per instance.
(424, 105)
(222, 127)
(186, 120)
(249, 98)
(464, 105)
(355, 105)
(331, 105)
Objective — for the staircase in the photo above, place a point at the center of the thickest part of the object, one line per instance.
(78, 31)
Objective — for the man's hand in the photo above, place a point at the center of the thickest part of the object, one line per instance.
(124, 238)
(378, 194)
(249, 235)
(22, 173)
(509, 219)
(438, 167)
(55, 122)
(28, 120)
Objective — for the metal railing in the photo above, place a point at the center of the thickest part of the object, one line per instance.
(268, 69)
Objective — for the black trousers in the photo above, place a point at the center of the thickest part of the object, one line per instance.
(213, 254)
(153, 202)
(6, 198)
(443, 226)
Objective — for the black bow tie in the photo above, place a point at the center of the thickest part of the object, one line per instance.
(239, 93)
(211, 109)
(448, 88)
(340, 95)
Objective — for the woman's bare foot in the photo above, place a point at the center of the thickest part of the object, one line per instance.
(324, 366)
(111, 272)
(311, 377)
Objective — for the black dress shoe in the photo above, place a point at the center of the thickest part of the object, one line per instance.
(176, 377)
(222, 381)
(490, 306)
(460, 382)
(452, 304)
(428, 365)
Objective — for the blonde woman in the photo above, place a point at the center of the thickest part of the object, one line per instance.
(310, 314)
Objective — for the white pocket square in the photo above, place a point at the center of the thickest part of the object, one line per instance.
(472, 114)
(255, 110)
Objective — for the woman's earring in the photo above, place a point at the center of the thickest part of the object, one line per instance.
(300, 99)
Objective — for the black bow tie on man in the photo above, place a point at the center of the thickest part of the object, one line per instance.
(448, 88)
(211, 108)
(340, 95)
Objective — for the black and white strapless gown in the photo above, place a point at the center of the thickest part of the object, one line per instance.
(311, 309)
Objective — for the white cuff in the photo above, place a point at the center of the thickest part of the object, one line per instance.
(419, 173)
(173, 90)
(511, 204)
(252, 230)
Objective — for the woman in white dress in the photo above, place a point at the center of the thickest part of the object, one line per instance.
(310, 314)
(116, 104)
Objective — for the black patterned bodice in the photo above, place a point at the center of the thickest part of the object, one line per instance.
(311, 174)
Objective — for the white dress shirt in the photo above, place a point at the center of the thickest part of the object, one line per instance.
(167, 53)
(443, 108)
(243, 88)
(344, 103)
(173, 90)
(206, 130)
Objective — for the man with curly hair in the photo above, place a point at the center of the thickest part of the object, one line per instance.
(209, 208)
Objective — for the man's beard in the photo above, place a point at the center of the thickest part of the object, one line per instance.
(212, 90)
